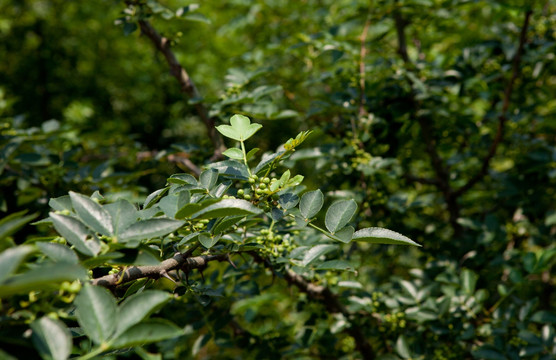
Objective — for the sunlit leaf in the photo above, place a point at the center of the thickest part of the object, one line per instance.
(376, 235)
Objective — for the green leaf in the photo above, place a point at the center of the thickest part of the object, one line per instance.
(10, 259)
(92, 214)
(186, 9)
(231, 169)
(220, 190)
(469, 281)
(234, 153)
(311, 203)
(243, 126)
(51, 338)
(296, 180)
(41, 277)
(155, 196)
(150, 228)
(335, 265)
(57, 252)
(171, 203)
(402, 347)
(339, 214)
(226, 223)
(129, 28)
(208, 178)
(207, 240)
(96, 312)
(138, 306)
(229, 132)
(197, 17)
(251, 153)
(123, 214)
(61, 203)
(227, 207)
(288, 200)
(182, 179)
(488, 353)
(344, 235)
(266, 161)
(148, 331)
(13, 222)
(376, 235)
(284, 178)
(544, 317)
(76, 234)
(316, 251)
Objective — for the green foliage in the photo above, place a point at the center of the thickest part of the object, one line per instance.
(432, 118)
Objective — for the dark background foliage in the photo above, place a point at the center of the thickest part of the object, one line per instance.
(437, 116)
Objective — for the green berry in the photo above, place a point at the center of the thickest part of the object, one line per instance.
(259, 191)
(266, 180)
(240, 192)
(251, 180)
(247, 197)
(262, 186)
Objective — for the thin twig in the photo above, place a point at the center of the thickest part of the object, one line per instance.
(502, 118)
(187, 85)
(178, 261)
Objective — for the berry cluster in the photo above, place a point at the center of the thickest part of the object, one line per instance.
(393, 322)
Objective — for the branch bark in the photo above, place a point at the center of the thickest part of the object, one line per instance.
(502, 118)
(323, 295)
(184, 160)
(187, 85)
(442, 173)
(401, 23)
(177, 262)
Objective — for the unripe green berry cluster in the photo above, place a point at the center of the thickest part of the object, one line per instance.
(259, 192)
(394, 321)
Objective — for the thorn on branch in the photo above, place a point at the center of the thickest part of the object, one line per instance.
(229, 259)
(164, 274)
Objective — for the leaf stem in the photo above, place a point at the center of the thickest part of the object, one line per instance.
(329, 235)
(245, 158)
(99, 350)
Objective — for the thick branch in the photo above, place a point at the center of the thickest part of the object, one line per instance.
(187, 85)
(178, 262)
(323, 295)
(401, 23)
(442, 176)
(502, 118)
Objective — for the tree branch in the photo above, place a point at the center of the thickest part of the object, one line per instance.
(502, 118)
(177, 262)
(330, 300)
(184, 160)
(187, 85)
(323, 295)
(401, 23)
(442, 174)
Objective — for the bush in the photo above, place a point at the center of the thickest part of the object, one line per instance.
(432, 118)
